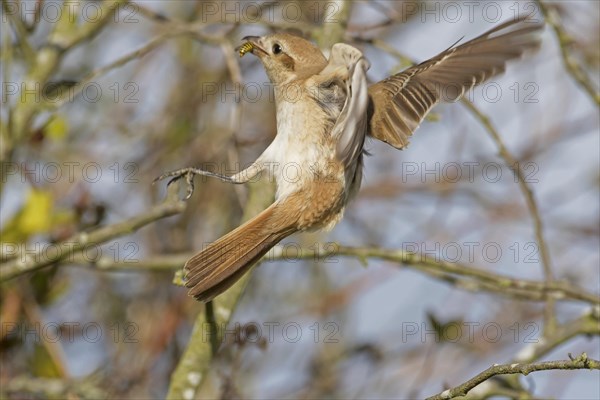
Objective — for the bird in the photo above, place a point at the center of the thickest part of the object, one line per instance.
(325, 109)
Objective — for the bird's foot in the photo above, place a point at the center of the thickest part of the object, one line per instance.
(188, 174)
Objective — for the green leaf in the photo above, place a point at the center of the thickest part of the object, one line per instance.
(37, 212)
(57, 127)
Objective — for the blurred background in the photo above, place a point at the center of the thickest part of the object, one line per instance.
(99, 98)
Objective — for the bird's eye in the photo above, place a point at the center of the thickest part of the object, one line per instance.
(277, 48)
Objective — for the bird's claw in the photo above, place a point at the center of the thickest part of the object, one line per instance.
(187, 173)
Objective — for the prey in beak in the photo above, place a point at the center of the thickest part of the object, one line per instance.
(250, 45)
(245, 48)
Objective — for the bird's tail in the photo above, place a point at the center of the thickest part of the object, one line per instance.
(223, 262)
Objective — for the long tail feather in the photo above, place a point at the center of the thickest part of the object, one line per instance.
(223, 262)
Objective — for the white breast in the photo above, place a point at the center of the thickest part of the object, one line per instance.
(297, 153)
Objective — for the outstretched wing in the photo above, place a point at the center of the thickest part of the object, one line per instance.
(400, 102)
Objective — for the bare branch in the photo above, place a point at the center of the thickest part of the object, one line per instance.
(25, 262)
(581, 362)
(52, 388)
(511, 162)
(20, 32)
(190, 30)
(564, 40)
(462, 276)
(65, 35)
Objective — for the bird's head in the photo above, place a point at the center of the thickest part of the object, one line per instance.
(285, 57)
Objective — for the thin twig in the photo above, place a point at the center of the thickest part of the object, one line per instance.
(95, 74)
(212, 323)
(20, 30)
(139, 53)
(432, 265)
(235, 117)
(64, 36)
(28, 386)
(462, 276)
(151, 14)
(564, 41)
(581, 362)
(511, 162)
(588, 324)
(26, 262)
(196, 359)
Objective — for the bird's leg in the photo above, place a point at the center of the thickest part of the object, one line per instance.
(189, 173)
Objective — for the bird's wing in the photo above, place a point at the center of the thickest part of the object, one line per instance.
(399, 103)
(349, 68)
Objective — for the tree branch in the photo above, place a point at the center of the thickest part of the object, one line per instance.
(24, 262)
(581, 362)
(511, 162)
(172, 32)
(462, 276)
(65, 35)
(189, 378)
(20, 32)
(564, 41)
(52, 388)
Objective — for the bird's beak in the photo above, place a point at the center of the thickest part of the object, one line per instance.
(251, 44)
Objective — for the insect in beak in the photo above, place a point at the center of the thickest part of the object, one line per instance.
(245, 48)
